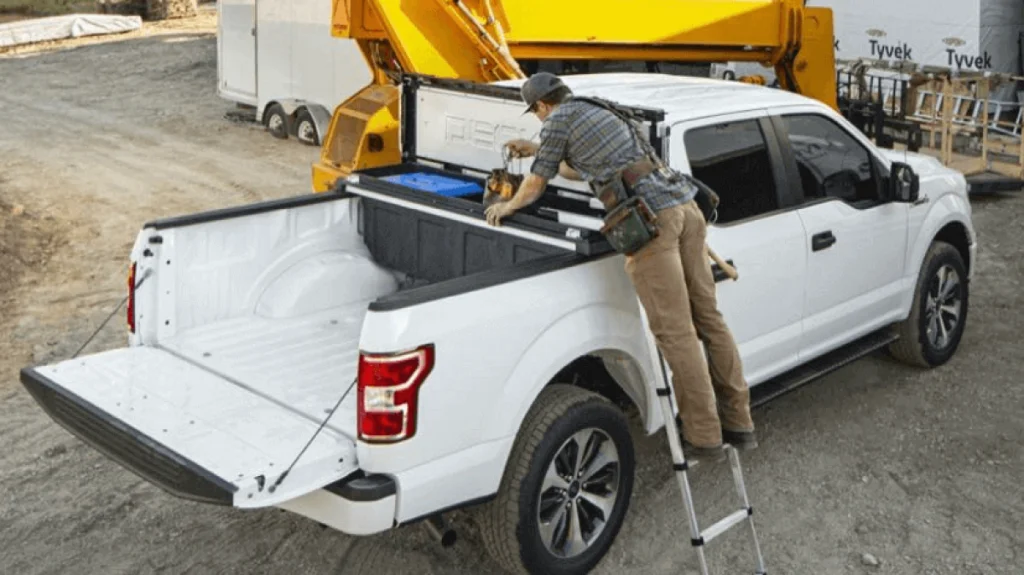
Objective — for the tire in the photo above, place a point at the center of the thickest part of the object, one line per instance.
(511, 524)
(305, 128)
(917, 345)
(276, 121)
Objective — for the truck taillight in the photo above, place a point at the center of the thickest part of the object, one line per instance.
(388, 392)
(130, 312)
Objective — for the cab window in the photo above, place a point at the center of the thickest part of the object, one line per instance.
(733, 160)
(831, 162)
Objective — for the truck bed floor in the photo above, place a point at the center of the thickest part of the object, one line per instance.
(303, 363)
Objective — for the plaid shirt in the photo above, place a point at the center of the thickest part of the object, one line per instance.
(597, 144)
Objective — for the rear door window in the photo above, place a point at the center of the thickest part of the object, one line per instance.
(733, 160)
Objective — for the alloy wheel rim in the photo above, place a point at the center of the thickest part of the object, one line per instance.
(943, 307)
(306, 131)
(578, 493)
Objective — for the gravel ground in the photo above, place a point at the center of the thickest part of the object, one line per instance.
(920, 470)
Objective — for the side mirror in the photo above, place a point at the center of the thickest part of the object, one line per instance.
(904, 184)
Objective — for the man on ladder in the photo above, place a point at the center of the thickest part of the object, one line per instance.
(654, 218)
(582, 140)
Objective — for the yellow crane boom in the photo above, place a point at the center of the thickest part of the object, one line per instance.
(486, 40)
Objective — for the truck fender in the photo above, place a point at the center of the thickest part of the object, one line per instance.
(601, 330)
(944, 215)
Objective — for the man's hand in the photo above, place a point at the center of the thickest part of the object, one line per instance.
(496, 212)
(520, 148)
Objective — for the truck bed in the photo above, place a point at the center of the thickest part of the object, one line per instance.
(301, 351)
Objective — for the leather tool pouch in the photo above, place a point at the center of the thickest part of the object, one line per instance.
(630, 226)
(630, 223)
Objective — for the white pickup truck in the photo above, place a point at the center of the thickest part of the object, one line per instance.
(453, 364)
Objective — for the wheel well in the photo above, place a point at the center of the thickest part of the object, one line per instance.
(590, 372)
(955, 234)
(263, 115)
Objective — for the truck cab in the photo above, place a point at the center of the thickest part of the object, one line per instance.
(376, 355)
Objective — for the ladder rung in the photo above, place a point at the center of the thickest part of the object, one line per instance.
(724, 525)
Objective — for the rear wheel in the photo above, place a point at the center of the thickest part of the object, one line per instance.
(566, 487)
(931, 334)
(276, 121)
(305, 128)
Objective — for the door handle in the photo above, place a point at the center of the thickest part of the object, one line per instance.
(822, 241)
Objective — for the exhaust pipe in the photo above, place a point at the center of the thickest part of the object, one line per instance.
(441, 530)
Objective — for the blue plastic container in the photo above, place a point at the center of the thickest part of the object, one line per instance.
(436, 184)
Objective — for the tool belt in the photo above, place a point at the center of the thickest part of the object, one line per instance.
(610, 193)
(630, 224)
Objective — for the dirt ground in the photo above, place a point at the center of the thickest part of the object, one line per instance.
(922, 470)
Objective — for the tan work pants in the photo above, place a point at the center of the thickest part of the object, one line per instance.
(674, 281)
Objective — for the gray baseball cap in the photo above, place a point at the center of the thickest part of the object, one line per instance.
(539, 85)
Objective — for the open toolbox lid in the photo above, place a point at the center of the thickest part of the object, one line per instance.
(463, 124)
(454, 129)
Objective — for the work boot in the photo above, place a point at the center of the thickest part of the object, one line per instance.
(694, 453)
(741, 440)
(702, 454)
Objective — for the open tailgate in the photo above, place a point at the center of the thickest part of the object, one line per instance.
(188, 430)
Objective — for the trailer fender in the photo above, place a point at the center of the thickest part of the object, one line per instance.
(309, 121)
(321, 119)
(290, 105)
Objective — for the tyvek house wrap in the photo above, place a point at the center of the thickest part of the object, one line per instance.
(958, 34)
(962, 35)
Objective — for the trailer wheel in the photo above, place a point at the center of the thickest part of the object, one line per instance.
(566, 487)
(276, 121)
(305, 128)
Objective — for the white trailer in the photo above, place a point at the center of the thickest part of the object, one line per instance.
(279, 57)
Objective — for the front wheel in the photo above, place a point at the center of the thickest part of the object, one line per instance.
(566, 487)
(931, 334)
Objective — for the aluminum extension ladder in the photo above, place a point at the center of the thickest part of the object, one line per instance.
(680, 466)
(698, 537)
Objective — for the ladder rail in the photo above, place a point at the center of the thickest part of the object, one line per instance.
(741, 490)
(679, 463)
